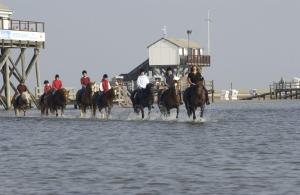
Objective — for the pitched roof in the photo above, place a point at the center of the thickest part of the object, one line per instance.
(4, 8)
(183, 43)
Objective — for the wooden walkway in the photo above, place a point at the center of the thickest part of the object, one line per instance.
(285, 90)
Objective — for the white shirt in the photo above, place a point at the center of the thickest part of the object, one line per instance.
(142, 81)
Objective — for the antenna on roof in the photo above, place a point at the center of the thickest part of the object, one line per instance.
(208, 31)
(164, 30)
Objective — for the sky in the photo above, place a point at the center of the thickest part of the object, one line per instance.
(253, 42)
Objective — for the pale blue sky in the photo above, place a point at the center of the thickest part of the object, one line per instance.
(254, 42)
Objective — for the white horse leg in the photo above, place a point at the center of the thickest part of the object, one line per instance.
(16, 111)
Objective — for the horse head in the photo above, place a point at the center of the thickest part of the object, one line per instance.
(66, 94)
(25, 98)
(62, 95)
(150, 88)
(175, 86)
(91, 87)
(114, 90)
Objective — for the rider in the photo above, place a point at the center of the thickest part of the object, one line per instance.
(141, 82)
(20, 89)
(169, 77)
(47, 88)
(194, 77)
(104, 84)
(85, 80)
(56, 84)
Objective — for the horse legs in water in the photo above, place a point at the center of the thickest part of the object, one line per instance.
(94, 110)
(177, 111)
(82, 110)
(62, 111)
(149, 110)
(193, 109)
(142, 110)
(108, 111)
(24, 112)
(47, 111)
(202, 110)
(16, 111)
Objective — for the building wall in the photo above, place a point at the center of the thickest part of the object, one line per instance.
(164, 53)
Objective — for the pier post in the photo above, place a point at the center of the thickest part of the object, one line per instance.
(7, 86)
(23, 61)
(37, 68)
(212, 91)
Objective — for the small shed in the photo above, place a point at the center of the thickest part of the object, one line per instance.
(175, 52)
(5, 12)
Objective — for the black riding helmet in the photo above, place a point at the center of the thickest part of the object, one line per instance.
(56, 76)
(46, 82)
(84, 72)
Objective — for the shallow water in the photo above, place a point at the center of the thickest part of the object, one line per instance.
(238, 148)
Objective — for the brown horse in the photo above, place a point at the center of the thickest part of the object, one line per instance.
(193, 97)
(54, 100)
(84, 98)
(104, 101)
(169, 99)
(142, 98)
(22, 102)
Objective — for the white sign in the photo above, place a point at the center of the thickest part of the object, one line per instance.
(22, 35)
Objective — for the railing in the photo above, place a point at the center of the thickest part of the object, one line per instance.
(202, 60)
(286, 85)
(284, 90)
(21, 25)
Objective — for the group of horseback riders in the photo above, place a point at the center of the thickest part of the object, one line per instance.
(193, 78)
(143, 85)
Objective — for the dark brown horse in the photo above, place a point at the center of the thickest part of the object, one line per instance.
(104, 101)
(22, 102)
(54, 100)
(193, 97)
(85, 98)
(142, 98)
(169, 99)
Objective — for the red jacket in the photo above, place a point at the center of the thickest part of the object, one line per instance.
(47, 87)
(105, 85)
(57, 84)
(85, 81)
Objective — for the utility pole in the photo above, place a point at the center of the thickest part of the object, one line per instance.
(189, 32)
(208, 20)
